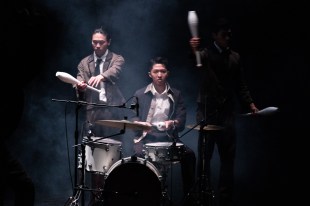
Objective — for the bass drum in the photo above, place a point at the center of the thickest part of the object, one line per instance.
(132, 181)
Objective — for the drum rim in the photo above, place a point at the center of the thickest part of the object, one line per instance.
(163, 144)
(139, 160)
(105, 141)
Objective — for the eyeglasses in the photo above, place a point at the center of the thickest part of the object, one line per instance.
(226, 33)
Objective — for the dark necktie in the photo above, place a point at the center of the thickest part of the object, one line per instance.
(97, 68)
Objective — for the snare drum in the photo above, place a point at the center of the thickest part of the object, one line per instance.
(101, 155)
(163, 151)
(132, 181)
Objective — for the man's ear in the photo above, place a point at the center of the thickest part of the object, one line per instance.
(149, 74)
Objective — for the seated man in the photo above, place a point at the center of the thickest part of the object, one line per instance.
(162, 108)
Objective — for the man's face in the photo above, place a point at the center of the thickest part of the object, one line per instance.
(222, 38)
(159, 74)
(100, 44)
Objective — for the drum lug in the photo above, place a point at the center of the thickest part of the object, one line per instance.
(120, 149)
(104, 169)
(90, 167)
(107, 148)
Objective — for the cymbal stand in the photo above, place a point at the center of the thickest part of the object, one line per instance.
(206, 192)
(205, 196)
(72, 200)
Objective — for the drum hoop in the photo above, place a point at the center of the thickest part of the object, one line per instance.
(139, 160)
(108, 141)
(163, 144)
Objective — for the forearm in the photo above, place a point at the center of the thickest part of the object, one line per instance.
(112, 74)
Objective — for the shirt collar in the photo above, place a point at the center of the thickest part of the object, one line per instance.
(219, 48)
(103, 57)
(151, 88)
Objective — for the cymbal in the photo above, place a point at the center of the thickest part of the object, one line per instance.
(208, 127)
(123, 124)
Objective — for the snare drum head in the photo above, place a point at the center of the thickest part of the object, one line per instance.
(132, 181)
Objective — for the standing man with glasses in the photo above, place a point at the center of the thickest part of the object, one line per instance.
(222, 83)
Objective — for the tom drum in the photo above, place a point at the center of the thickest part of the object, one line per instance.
(101, 155)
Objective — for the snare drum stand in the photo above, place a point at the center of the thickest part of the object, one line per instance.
(164, 169)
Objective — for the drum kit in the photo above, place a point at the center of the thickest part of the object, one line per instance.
(127, 180)
(132, 179)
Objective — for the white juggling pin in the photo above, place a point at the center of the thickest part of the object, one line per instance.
(193, 26)
(68, 78)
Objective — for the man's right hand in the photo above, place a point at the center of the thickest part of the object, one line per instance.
(194, 43)
(81, 86)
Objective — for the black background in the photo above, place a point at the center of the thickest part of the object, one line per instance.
(40, 38)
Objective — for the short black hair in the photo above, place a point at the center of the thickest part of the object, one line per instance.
(221, 23)
(103, 31)
(159, 60)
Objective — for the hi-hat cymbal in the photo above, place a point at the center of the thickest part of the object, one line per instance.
(123, 124)
(208, 127)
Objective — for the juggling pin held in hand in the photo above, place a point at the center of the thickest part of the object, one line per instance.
(264, 112)
(65, 77)
(193, 23)
(193, 26)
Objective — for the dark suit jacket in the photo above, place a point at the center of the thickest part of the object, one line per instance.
(112, 69)
(177, 108)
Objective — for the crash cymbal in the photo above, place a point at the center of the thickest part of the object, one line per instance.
(123, 124)
(208, 127)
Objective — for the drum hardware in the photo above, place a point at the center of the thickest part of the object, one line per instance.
(163, 168)
(88, 141)
(163, 155)
(208, 127)
(79, 182)
(205, 196)
(73, 201)
(122, 124)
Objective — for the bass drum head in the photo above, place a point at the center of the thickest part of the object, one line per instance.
(132, 181)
